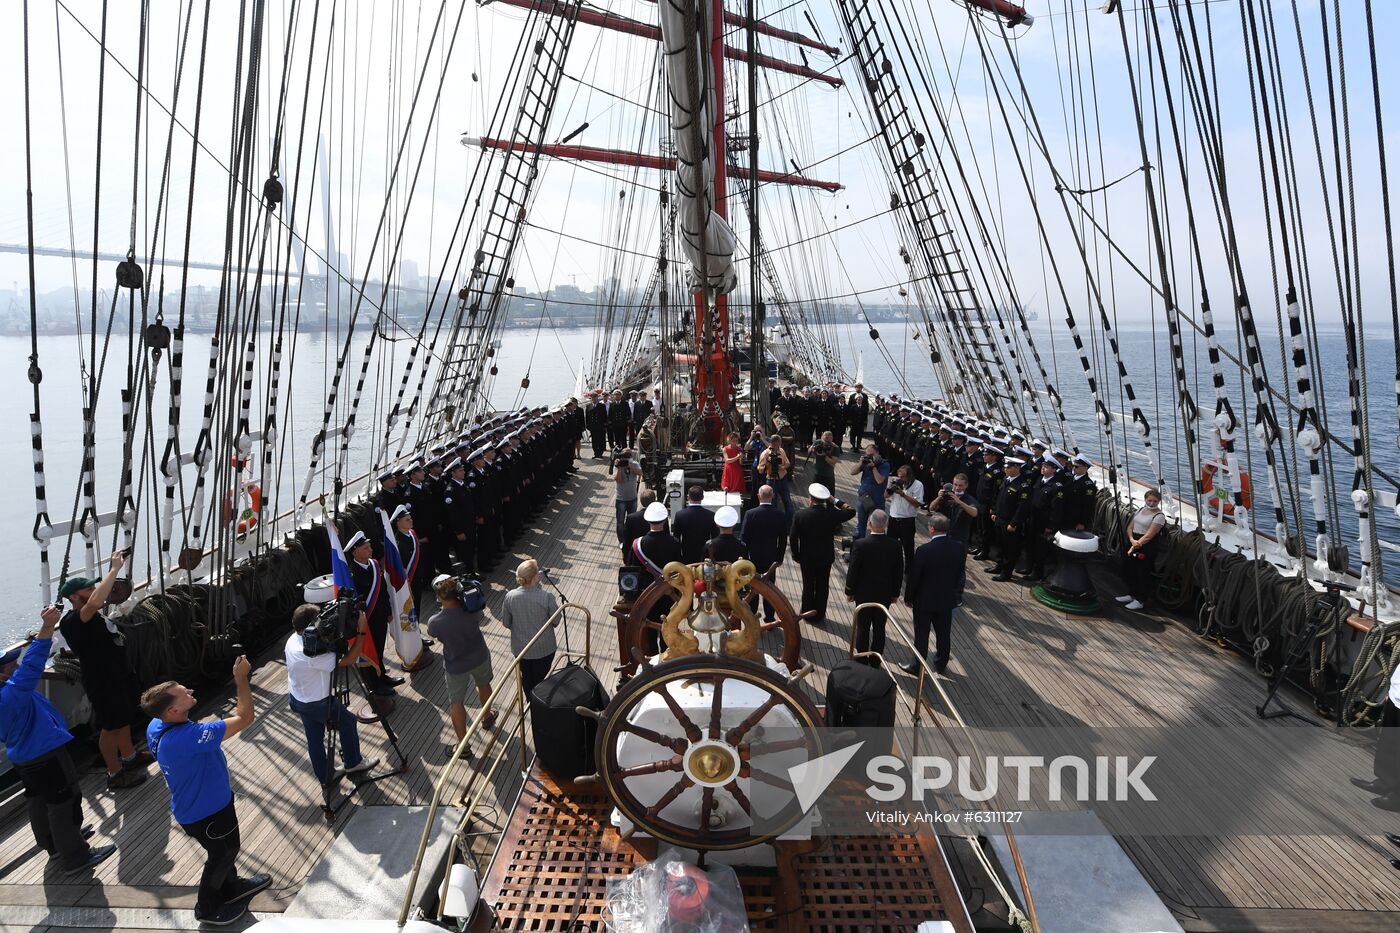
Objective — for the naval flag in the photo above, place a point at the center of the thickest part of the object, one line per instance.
(407, 639)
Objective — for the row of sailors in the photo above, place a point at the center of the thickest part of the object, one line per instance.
(1027, 490)
(813, 410)
(470, 499)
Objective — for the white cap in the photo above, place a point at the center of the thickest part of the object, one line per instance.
(357, 539)
(1049, 461)
(1014, 461)
(656, 512)
(727, 517)
(818, 491)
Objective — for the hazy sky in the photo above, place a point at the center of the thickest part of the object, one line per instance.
(1072, 59)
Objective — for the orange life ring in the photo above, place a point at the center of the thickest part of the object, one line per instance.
(1227, 501)
(247, 517)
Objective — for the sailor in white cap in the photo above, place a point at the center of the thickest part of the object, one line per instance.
(1047, 517)
(812, 539)
(371, 586)
(726, 546)
(1081, 495)
(1010, 515)
(459, 514)
(657, 548)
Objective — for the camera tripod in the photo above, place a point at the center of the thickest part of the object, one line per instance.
(332, 801)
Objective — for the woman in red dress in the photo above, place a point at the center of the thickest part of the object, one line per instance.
(732, 480)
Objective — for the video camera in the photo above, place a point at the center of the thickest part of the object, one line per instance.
(895, 484)
(620, 457)
(335, 627)
(466, 590)
(821, 449)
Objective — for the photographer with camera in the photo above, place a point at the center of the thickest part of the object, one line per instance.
(824, 454)
(627, 474)
(954, 501)
(465, 657)
(906, 498)
(874, 472)
(774, 469)
(311, 661)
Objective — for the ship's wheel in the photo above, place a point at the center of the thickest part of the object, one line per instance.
(636, 639)
(695, 752)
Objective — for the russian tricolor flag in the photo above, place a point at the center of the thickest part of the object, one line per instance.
(408, 642)
(340, 567)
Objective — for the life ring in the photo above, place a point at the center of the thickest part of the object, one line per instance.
(247, 516)
(1227, 503)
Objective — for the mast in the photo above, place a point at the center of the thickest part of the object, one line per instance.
(712, 376)
(758, 369)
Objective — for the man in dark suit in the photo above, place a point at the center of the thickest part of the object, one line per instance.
(875, 574)
(619, 417)
(937, 575)
(813, 541)
(636, 525)
(858, 414)
(694, 525)
(595, 418)
(765, 532)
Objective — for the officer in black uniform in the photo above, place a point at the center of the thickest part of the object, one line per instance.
(1047, 516)
(388, 497)
(481, 480)
(1011, 514)
(459, 511)
(812, 541)
(726, 546)
(836, 417)
(857, 415)
(425, 502)
(373, 587)
(988, 492)
(595, 418)
(1082, 495)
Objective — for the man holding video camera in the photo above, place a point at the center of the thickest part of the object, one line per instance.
(627, 474)
(309, 672)
(873, 471)
(954, 501)
(465, 658)
(905, 495)
(824, 454)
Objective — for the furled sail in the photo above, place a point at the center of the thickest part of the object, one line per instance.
(707, 238)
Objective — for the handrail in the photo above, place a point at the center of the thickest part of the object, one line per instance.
(440, 785)
(925, 672)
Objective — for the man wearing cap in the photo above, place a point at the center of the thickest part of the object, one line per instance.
(417, 565)
(426, 504)
(764, 533)
(485, 480)
(1047, 516)
(836, 416)
(36, 742)
(858, 415)
(465, 658)
(1011, 515)
(371, 586)
(389, 496)
(813, 542)
(191, 756)
(988, 491)
(595, 418)
(459, 514)
(657, 548)
(726, 546)
(694, 525)
(106, 677)
(636, 525)
(875, 574)
(1081, 495)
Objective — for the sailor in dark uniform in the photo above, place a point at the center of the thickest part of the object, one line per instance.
(413, 551)
(595, 418)
(389, 496)
(372, 587)
(726, 546)
(812, 540)
(836, 417)
(988, 492)
(857, 415)
(1082, 494)
(653, 551)
(1011, 515)
(424, 499)
(1047, 516)
(619, 416)
(487, 480)
(459, 511)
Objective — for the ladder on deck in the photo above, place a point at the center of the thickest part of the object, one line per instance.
(469, 364)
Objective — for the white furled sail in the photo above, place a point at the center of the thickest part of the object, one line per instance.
(707, 238)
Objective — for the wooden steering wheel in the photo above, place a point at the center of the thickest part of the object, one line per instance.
(639, 622)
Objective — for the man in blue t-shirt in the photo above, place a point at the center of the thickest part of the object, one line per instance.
(874, 471)
(191, 756)
(36, 740)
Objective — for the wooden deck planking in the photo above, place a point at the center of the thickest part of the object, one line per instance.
(1015, 663)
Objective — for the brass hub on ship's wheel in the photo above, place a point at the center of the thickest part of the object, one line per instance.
(698, 784)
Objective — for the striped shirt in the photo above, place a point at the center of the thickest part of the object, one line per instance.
(525, 609)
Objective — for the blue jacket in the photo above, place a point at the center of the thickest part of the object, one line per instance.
(29, 724)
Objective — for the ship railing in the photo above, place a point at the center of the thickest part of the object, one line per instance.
(512, 712)
(916, 706)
